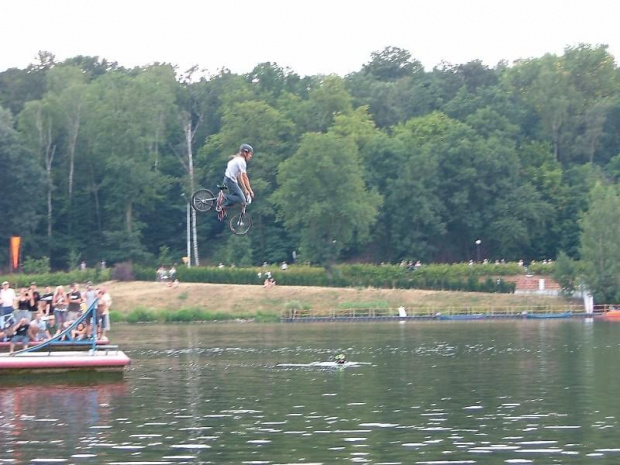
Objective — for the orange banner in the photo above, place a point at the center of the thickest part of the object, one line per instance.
(15, 246)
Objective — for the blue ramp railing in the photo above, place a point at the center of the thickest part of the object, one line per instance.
(91, 312)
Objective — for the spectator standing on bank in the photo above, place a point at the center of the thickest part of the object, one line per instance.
(35, 298)
(75, 301)
(90, 295)
(59, 304)
(23, 305)
(45, 304)
(7, 301)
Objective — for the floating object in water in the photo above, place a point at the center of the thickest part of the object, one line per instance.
(322, 365)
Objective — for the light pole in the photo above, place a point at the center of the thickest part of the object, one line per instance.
(189, 237)
(478, 242)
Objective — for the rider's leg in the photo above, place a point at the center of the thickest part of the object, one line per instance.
(234, 195)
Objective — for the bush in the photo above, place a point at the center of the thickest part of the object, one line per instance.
(123, 272)
(141, 315)
(36, 266)
(59, 278)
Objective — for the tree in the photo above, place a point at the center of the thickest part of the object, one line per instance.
(19, 177)
(565, 273)
(36, 123)
(67, 88)
(600, 244)
(323, 198)
(391, 63)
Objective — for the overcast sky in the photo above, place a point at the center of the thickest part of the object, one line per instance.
(309, 37)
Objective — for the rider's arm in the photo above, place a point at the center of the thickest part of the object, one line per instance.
(245, 181)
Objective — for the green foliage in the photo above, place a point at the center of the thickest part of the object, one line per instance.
(463, 277)
(391, 162)
(297, 305)
(188, 315)
(141, 315)
(58, 278)
(600, 244)
(36, 266)
(373, 304)
(322, 196)
(75, 258)
(164, 258)
(565, 273)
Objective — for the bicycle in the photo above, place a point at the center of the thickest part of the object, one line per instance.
(203, 201)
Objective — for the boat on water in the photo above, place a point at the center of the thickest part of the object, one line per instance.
(539, 316)
(472, 316)
(57, 355)
(612, 315)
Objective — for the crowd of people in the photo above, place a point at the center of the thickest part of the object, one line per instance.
(167, 275)
(31, 316)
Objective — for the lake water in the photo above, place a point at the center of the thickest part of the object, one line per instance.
(483, 392)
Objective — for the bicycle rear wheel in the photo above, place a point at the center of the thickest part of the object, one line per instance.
(240, 223)
(203, 200)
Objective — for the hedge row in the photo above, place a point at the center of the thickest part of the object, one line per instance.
(480, 278)
(62, 278)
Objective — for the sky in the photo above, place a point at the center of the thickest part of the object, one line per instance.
(308, 37)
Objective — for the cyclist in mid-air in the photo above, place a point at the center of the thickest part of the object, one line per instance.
(236, 178)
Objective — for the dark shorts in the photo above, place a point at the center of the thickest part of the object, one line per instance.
(25, 339)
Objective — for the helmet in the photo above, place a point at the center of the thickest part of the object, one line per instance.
(246, 148)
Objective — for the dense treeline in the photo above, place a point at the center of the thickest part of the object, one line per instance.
(392, 162)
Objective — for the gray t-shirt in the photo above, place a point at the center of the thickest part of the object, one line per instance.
(235, 167)
(90, 296)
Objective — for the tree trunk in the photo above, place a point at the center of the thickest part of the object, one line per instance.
(74, 129)
(49, 152)
(189, 136)
(129, 217)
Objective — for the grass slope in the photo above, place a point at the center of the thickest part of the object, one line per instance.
(246, 299)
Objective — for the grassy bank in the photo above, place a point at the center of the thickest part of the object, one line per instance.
(148, 301)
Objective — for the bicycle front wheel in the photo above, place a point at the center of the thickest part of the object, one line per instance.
(203, 200)
(240, 223)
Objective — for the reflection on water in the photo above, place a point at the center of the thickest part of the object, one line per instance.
(432, 393)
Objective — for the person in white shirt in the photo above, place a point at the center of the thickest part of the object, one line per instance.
(7, 302)
(236, 178)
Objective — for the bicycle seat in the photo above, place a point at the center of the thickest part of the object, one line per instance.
(222, 188)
